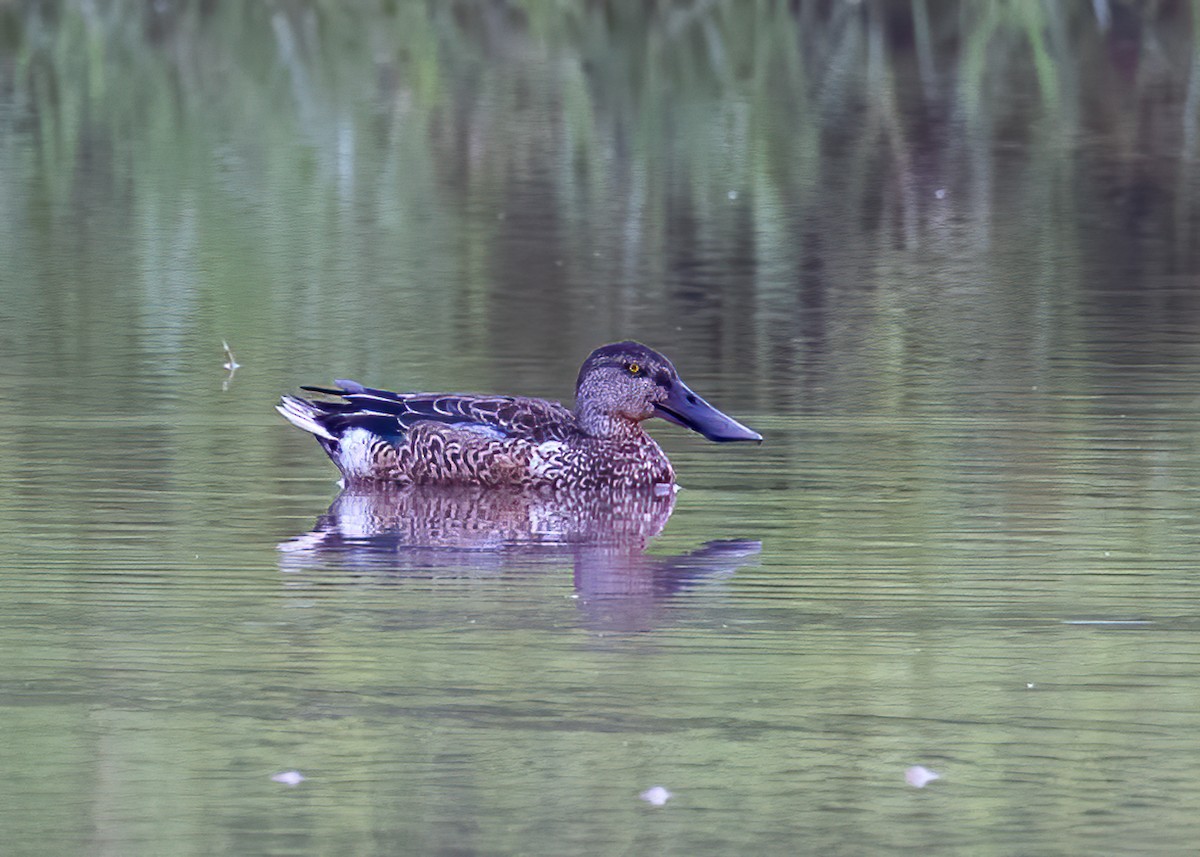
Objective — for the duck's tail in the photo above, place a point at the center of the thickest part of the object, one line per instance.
(360, 442)
(305, 415)
(315, 420)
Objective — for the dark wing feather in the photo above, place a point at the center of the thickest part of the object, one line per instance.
(391, 415)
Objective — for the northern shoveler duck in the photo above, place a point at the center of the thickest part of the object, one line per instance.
(462, 439)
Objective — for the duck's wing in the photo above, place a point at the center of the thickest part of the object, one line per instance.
(391, 415)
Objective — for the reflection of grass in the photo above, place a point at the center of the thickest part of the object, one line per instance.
(293, 152)
(261, 78)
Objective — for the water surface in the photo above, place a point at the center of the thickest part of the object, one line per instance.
(945, 259)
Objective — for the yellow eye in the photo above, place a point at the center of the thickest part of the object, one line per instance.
(634, 368)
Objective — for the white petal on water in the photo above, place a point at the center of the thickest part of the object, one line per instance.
(656, 796)
(920, 776)
(288, 778)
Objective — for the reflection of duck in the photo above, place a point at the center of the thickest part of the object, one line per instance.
(448, 531)
(436, 438)
(473, 518)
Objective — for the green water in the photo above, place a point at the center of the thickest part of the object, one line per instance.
(945, 258)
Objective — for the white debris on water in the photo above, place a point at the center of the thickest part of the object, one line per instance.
(919, 776)
(656, 796)
(229, 363)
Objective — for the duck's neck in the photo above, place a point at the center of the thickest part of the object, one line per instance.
(604, 425)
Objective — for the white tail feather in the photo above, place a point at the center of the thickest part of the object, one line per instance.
(299, 414)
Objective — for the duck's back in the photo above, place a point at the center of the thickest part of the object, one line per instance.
(442, 438)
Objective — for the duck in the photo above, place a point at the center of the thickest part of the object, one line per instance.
(463, 439)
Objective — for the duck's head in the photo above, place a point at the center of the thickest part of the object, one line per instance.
(622, 384)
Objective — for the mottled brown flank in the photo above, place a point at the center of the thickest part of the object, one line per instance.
(436, 454)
